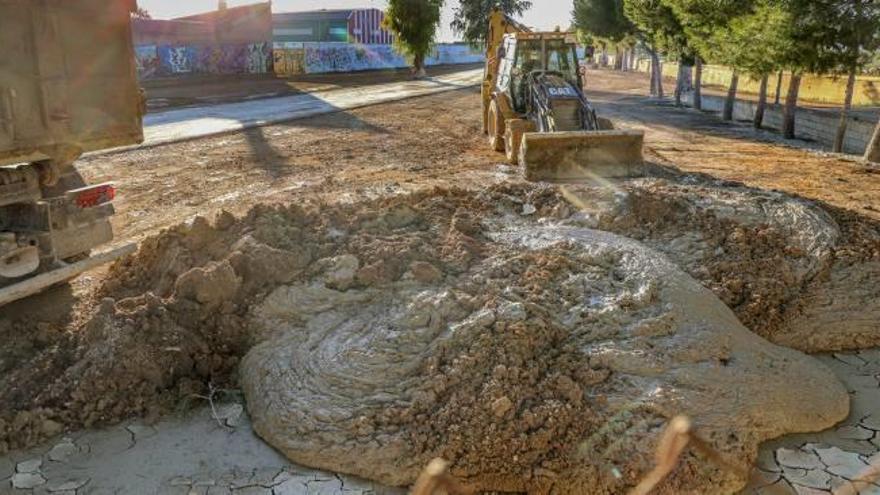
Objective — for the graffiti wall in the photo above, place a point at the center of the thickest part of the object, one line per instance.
(170, 61)
(319, 58)
(147, 61)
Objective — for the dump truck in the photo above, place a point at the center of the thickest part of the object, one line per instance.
(534, 109)
(68, 85)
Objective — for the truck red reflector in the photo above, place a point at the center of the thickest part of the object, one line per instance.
(94, 196)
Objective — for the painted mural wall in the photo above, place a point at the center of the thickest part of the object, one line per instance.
(169, 61)
(319, 58)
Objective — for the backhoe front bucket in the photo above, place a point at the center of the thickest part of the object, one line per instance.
(579, 155)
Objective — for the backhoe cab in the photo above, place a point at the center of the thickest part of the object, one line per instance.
(535, 111)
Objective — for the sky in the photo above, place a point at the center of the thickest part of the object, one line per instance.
(544, 14)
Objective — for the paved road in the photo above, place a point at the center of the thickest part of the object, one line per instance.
(189, 123)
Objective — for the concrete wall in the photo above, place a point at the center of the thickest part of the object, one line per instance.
(318, 58)
(814, 89)
(815, 125)
(181, 60)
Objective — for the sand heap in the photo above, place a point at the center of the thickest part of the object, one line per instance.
(490, 328)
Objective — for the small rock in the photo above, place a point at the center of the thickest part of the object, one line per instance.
(510, 311)
(501, 406)
(63, 451)
(342, 273)
(798, 459)
(29, 466)
(528, 209)
(27, 481)
(224, 220)
(51, 428)
(424, 272)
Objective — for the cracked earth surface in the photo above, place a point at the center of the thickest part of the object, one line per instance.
(223, 456)
(835, 460)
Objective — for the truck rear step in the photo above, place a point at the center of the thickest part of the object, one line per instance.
(39, 283)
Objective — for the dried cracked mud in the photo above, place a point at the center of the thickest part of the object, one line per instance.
(486, 326)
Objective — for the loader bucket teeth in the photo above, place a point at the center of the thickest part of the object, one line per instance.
(582, 155)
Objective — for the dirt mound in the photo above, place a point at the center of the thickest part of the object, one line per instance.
(550, 362)
(796, 272)
(174, 317)
(446, 322)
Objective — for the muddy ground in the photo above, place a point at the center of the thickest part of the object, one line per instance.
(366, 154)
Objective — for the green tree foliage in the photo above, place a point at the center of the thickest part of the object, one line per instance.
(603, 19)
(471, 18)
(659, 24)
(414, 25)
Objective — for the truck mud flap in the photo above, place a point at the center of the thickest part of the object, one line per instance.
(43, 281)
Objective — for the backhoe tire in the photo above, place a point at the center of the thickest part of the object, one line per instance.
(496, 127)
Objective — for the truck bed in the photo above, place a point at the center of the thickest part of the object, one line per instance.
(68, 81)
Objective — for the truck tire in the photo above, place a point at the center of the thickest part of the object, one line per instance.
(496, 127)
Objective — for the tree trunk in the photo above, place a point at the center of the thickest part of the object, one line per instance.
(624, 64)
(679, 83)
(656, 75)
(618, 60)
(794, 87)
(419, 66)
(872, 152)
(698, 85)
(844, 112)
(731, 96)
(779, 87)
(762, 102)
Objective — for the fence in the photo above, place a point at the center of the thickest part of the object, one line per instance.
(177, 60)
(318, 58)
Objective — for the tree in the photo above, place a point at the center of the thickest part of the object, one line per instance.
(605, 21)
(414, 25)
(141, 13)
(471, 18)
(663, 31)
(756, 42)
(830, 36)
(704, 23)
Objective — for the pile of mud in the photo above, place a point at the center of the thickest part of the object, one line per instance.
(492, 328)
(799, 273)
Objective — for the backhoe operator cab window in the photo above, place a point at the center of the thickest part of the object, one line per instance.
(519, 58)
(562, 57)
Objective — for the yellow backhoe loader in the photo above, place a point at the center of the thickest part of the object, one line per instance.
(535, 111)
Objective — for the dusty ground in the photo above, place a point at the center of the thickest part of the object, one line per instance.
(179, 92)
(388, 150)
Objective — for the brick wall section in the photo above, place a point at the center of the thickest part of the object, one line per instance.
(811, 124)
